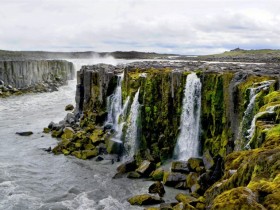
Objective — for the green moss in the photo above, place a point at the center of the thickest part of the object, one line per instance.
(238, 198)
(215, 110)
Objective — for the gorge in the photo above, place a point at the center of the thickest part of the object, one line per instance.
(149, 111)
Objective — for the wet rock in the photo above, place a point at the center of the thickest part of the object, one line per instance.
(114, 146)
(192, 178)
(47, 149)
(157, 174)
(46, 130)
(167, 206)
(183, 206)
(181, 185)
(24, 133)
(99, 158)
(185, 198)
(145, 199)
(194, 163)
(127, 166)
(70, 118)
(57, 133)
(68, 133)
(196, 189)
(69, 107)
(158, 188)
(208, 161)
(88, 154)
(172, 178)
(133, 175)
(145, 168)
(180, 166)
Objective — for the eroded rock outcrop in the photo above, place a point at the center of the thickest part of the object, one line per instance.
(236, 153)
(34, 76)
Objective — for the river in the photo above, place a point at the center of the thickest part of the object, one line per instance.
(31, 178)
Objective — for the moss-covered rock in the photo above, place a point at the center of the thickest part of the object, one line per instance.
(157, 174)
(144, 199)
(237, 198)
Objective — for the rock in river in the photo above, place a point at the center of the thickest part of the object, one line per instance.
(25, 133)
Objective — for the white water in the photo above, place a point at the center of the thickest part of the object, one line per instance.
(251, 130)
(32, 179)
(248, 114)
(132, 131)
(188, 141)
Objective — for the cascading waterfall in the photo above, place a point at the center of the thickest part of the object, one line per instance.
(131, 138)
(248, 114)
(116, 111)
(251, 131)
(188, 141)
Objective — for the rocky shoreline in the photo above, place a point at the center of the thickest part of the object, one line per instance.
(234, 172)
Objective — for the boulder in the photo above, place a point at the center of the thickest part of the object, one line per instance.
(237, 198)
(192, 178)
(70, 118)
(208, 161)
(173, 178)
(88, 154)
(180, 166)
(167, 206)
(182, 206)
(194, 163)
(68, 133)
(145, 199)
(69, 107)
(133, 175)
(127, 166)
(46, 130)
(24, 133)
(145, 168)
(99, 158)
(158, 188)
(181, 185)
(157, 174)
(184, 198)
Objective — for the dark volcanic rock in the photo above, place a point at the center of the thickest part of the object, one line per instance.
(25, 133)
(158, 188)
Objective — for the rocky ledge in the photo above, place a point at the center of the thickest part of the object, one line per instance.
(238, 163)
(18, 77)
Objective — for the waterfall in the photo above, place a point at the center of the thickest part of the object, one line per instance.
(188, 141)
(116, 111)
(248, 114)
(132, 130)
(251, 131)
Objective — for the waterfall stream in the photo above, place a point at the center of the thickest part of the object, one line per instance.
(132, 130)
(188, 141)
(248, 119)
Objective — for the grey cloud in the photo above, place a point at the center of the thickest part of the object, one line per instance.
(188, 27)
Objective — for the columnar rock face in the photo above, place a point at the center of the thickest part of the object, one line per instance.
(23, 74)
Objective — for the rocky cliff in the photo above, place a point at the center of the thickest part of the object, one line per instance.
(24, 75)
(239, 134)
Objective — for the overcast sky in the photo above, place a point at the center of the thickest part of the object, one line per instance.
(167, 26)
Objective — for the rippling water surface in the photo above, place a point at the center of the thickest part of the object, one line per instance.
(31, 178)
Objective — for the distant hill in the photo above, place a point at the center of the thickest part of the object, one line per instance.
(240, 55)
(38, 55)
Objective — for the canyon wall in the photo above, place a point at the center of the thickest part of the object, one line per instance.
(23, 74)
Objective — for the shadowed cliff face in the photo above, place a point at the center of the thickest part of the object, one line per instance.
(22, 74)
